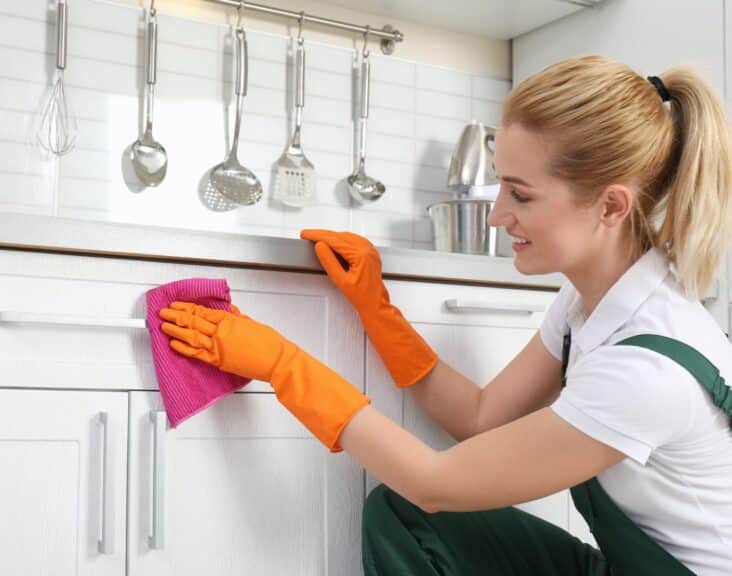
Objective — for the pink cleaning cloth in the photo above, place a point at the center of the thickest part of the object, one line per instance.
(187, 385)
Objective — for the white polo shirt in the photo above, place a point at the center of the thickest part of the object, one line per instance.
(676, 483)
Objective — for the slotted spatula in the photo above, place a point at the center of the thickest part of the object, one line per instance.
(295, 178)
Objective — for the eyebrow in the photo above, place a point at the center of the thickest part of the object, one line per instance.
(515, 180)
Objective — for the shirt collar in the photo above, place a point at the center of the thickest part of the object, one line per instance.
(619, 303)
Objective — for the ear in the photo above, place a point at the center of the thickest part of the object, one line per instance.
(616, 204)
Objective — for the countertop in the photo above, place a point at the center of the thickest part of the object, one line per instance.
(87, 237)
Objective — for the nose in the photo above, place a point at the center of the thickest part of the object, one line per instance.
(500, 215)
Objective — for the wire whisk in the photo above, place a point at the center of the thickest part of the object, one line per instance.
(58, 129)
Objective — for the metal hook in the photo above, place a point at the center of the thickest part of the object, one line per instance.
(152, 8)
(366, 40)
(238, 13)
(299, 25)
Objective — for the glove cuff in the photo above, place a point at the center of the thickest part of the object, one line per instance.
(406, 355)
(316, 395)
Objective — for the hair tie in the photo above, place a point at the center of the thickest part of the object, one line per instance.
(658, 83)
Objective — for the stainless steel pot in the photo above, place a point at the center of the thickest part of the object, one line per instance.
(462, 226)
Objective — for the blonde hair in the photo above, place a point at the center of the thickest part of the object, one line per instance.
(606, 124)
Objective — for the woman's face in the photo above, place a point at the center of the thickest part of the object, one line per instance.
(534, 206)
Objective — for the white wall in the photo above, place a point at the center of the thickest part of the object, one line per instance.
(650, 36)
(417, 113)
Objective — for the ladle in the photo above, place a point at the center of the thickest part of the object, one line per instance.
(362, 187)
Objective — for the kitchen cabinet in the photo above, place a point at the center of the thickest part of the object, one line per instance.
(62, 487)
(241, 487)
(477, 330)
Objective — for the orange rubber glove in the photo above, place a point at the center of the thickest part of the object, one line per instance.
(404, 352)
(321, 399)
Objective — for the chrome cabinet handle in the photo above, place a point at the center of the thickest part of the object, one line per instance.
(458, 305)
(105, 544)
(70, 320)
(156, 539)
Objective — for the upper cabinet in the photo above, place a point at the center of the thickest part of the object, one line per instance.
(649, 35)
(502, 19)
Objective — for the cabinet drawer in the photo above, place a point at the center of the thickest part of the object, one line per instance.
(303, 307)
(478, 339)
(456, 304)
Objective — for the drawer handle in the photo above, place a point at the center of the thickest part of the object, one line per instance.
(156, 540)
(68, 320)
(458, 305)
(105, 545)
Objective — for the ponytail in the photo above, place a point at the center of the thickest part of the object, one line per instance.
(697, 221)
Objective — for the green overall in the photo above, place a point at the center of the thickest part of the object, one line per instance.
(400, 539)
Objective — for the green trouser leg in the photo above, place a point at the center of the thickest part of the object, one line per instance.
(400, 539)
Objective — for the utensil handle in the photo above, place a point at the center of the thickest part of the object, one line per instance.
(105, 544)
(241, 62)
(300, 76)
(156, 540)
(62, 25)
(365, 85)
(152, 47)
(362, 145)
(456, 305)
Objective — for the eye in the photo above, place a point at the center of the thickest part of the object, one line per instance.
(518, 197)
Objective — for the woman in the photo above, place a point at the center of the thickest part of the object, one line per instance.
(621, 183)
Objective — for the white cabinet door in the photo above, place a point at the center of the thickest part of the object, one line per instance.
(245, 489)
(477, 331)
(62, 486)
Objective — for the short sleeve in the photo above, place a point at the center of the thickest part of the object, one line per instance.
(553, 327)
(627, 397)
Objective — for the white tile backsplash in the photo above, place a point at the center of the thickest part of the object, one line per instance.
(490, 88)
(443, 105)
(417, 113)
(444, 80)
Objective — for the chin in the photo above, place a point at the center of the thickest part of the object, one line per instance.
(529, 268)
(522, 267)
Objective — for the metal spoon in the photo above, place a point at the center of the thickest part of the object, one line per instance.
(364, 188)
(230, 179)
(148, 157)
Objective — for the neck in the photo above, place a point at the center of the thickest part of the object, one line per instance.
(597, 274)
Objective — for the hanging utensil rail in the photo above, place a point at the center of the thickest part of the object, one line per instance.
(388, 35)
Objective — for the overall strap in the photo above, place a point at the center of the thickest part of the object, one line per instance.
(627, 548)
(706, 373)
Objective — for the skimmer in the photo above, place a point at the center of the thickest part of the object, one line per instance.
(229, 178)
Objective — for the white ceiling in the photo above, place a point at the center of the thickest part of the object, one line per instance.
(501, 19)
